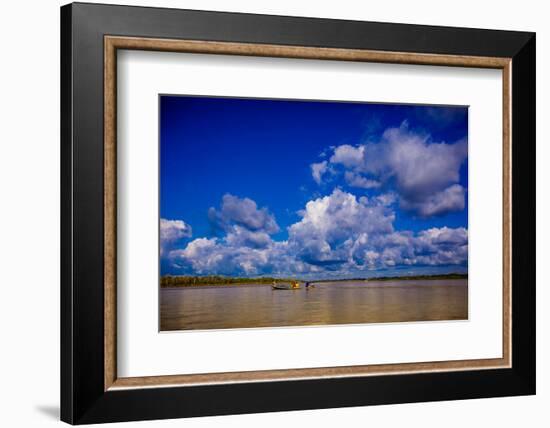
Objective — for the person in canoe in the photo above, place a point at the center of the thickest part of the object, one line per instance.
(294, 285)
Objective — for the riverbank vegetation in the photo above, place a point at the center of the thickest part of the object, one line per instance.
(191, 281)
(404, 277)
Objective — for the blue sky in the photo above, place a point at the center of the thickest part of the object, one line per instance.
(311, 189)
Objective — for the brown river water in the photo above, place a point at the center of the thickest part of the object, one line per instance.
(350, 302)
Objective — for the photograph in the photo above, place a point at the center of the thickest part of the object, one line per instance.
(278, 212)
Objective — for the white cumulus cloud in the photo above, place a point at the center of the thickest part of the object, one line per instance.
(331, 224)
(337, 233)
(448, 200)
(425, 173)
(356, 180)
(349, 156)
(172, 230)
(317, 171)
(243, 212)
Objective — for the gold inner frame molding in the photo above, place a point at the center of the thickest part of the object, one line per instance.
(113, 43)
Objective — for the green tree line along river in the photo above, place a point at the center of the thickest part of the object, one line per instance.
(190, 281)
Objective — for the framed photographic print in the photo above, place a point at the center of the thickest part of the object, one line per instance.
(264, 213)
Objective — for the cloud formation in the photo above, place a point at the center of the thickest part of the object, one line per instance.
(424, 173)
(243, 213)
(355, 180)
(336, 233)
(449, 200)
(172, 230)
(431, 247)
(317, 171)
(330, 224)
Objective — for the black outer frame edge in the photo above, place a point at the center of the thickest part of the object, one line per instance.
(298, 31)
(524, 213)
(168, 403)
(82, 397)
(66, 306)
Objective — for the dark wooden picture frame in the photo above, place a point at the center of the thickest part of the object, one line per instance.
(90, 389)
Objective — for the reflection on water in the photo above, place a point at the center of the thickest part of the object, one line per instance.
(350, 302)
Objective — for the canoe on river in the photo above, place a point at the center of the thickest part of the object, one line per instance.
(284, 286)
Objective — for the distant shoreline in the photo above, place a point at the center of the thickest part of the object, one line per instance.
(172, 281)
